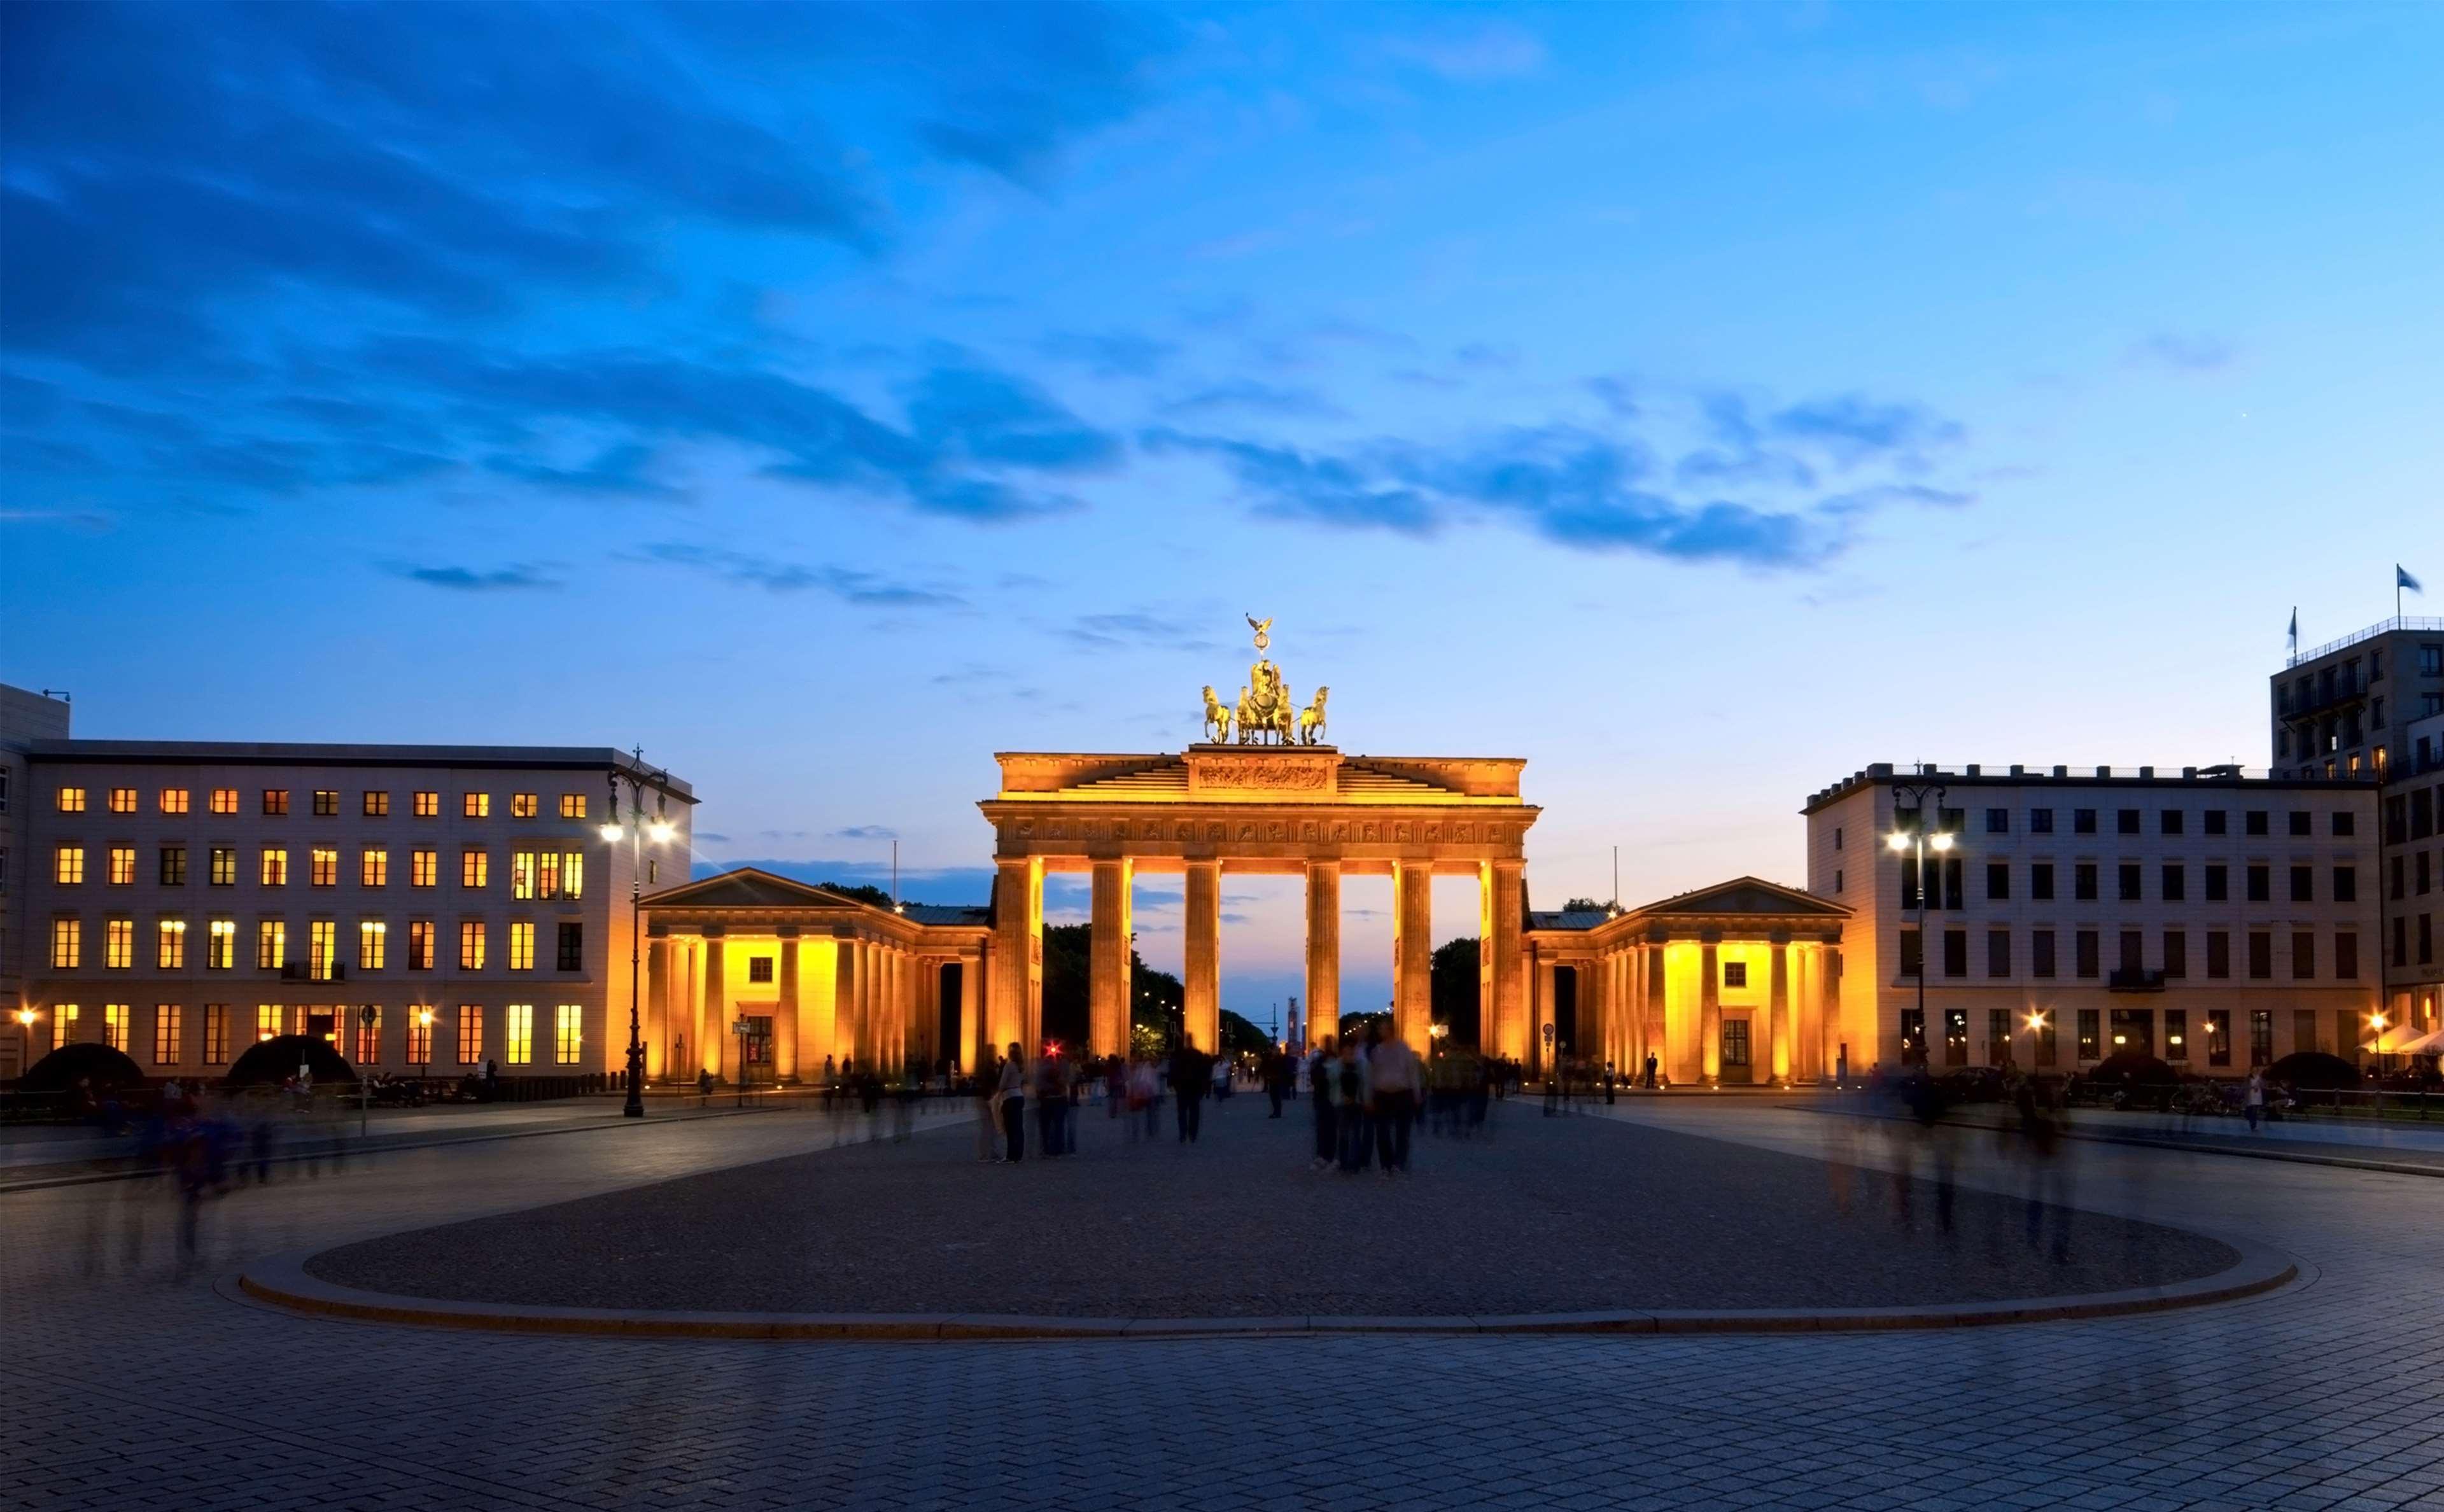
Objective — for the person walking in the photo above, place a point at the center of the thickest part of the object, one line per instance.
(1392, 1080)
(1011, 1090)
(1277, 1080)
(1348, 1075)
(1321, 1067)
(2254, 1098)
(1192, 1078)
(986, 1089)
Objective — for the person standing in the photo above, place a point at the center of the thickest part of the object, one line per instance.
(987, 1088)
(2254, 1098)
(1650, 1071)
(1319, 1069)
(1192, 1077)
(1349, 1107)
(1277, 1080)
(1393, 1080)
(1011, 1090)
(1051, 1104)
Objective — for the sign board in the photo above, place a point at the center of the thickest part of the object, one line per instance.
(742, 1028)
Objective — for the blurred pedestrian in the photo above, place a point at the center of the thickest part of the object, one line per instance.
(986, 1089)
(1392, 1080)
(2254, 1098)
(1012, 1092)
(1349, 1107)
(1192, 1078)
(1321, 1068)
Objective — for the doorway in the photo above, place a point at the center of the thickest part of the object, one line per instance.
(1738, 1063)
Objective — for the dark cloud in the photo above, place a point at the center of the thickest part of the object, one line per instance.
(1287, 482)
(864, 832)
(1854, 428)
(863, 589)
(473, 580)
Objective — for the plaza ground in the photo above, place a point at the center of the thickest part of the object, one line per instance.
(138, 1388)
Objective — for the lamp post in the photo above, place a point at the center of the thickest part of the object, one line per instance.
(637, 832)
(26, 1038)
(1918, 843)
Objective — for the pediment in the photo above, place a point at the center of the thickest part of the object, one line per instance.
(749, 887)
(1747, 895)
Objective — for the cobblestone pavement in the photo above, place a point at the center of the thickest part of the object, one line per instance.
(1550, 1215)
(139, 1389)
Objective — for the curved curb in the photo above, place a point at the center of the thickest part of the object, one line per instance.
(282, 1280)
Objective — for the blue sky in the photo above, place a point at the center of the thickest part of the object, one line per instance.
(1701, 402)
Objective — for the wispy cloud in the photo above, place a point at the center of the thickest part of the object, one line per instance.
(514, 579)
(1136, 630)
(864, 832)
(864, 589)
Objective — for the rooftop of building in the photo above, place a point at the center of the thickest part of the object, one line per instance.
(2398, 624)
(281, 753)
(1974, 774)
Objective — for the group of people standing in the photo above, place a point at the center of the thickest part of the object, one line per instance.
(1133, 1087)
(1366, 1094)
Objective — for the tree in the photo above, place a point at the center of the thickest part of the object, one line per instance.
(862, 891)
(1454, 992)
(1155, 997)
(1583, 905)
(1239, 1036)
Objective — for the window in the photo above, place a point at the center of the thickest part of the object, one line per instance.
(270, 945)
(1912, 954)
(2128, 881)
(2347, 883)
(170, 944)
(517, 1041)
(2040, 822)
(471, 1033)
(266, 1020)
(119, 944)
(68, 865)
(2215, 822)
(2087, 1034)
(224, 863)
(2219, 882)
(1735, 973)
(419, 945)
(63, 1024)
(2134, 955)
(377, 804)
(1951, 884)
(220, 945)
(327, 803)
(2261, 883)
(2218, 953)
(1955, 1037)
(2041, 881)
(572, 946)
(759, 968)
(1998, 821)
(2218, 1031)
(373, 938)
(275, 867)
(521, 946)
(2304, 954)
(2261, 1037)
(2176, 1034)
(1956, 952)
(275, 800)
(368, 1035)
(2176, 954)
(123, 866)
(474, 867)
(420, 1036)
(1998, 880)
(522, 806)
(2125, 821)
(2087, 959)
(2346, 822)
(122, 801)
(568, 1033)
(373, 867)
(653, 870)
(69, 800)
(546, 874)
(321, 947)
(423, 868)
(224, 801)
(471, 945)
(1913, 1035)
(2167, 822)
(2304, 884)
(572, 805)
(68, 944)
(2082, 822)
(1837, 879)
(2082, 882)
(475, 806)
(2256, 822)
(427, 805)
(2300, 822)
(327, 866)
(2346, 957)
(2175, 881)
(1998, 952)
(174, 800)
(114, 1025)
(2261, 955)
(2134, 1029)
(215, 1034)
(2040, 952)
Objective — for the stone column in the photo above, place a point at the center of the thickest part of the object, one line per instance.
(1017, 951)
(972, 1000)
(1786, 1035)
(1323, 951)
(1202, 991)
(1541, 1051)
(1110, 984)
(1828, 1006)
(785, 1013)
(1509, 1025)
(658, 1008)
(1413, 952)
(713, 1031)
(1658, 1006)
(1709, 1017)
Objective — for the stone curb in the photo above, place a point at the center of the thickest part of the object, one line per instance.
(282, 1280)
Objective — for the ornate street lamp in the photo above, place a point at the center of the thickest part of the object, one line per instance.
(637, 832)
(1918, 841)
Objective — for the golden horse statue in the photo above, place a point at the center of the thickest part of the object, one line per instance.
(1217, 718)
(1310, 720)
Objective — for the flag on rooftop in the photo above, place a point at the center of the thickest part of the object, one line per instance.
(2401, 579)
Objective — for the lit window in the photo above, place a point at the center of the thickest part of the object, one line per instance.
(420, 1036)
(173, 952)
(321, 948)
(122, 865)
(68, 865)
(71, 801)
(471, 1033)
(327, 803)
(572, 874)
(327, 866)
(471, 945)
(122, 801)
(520, 947)
(376, 804)
(166, 1025)
(424, 869)
(419, 945)
(474, 867)
(220, 945)
(522, 806)
(373, 869)
(368, 1021)
(174, 800)
(119, 944)
(568, 1033)
(275, 867)
(475, 806)
(428, 805)
(522, 875)
(372, 937)
(63, 1024)
(517, 1041)
(114, 1025)
(275, 800)
(270, 945)
(68, 944)
(224, 866)
(215, 1034)
(224, 799)
(572, 805)
(266, 1020)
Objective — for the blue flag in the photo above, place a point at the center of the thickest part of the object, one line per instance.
(2403, 579)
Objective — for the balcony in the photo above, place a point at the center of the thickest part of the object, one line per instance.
(2125, 979)
(303, 971)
